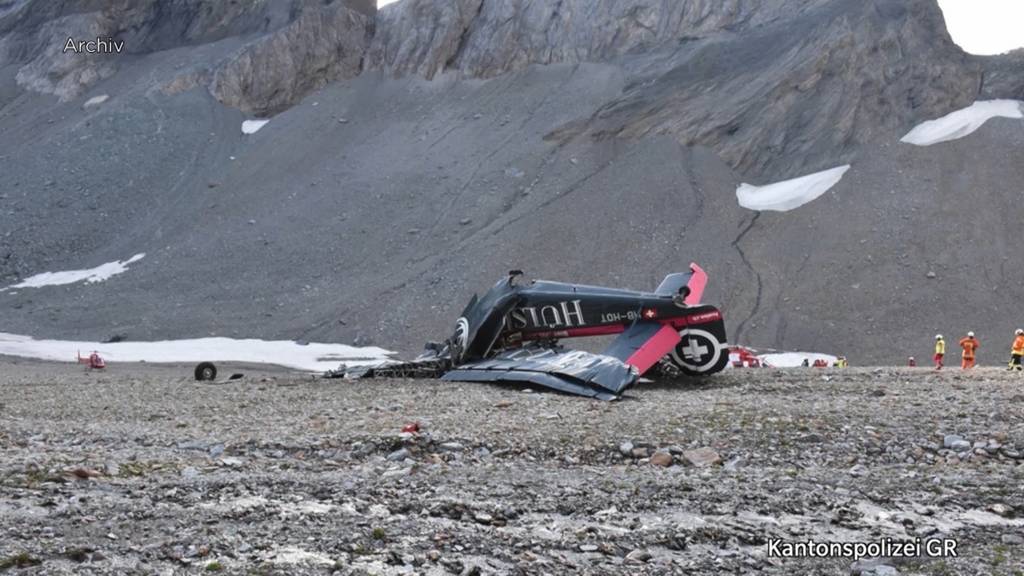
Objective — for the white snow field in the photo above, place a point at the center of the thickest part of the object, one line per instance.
(963, 122)
(789, 194)
(90, 276)
(311, 357)
(253, 126)
(795, 359)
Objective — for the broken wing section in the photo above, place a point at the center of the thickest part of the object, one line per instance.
(569, 371)
(644, 344)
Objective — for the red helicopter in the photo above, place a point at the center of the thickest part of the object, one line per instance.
(94, 361)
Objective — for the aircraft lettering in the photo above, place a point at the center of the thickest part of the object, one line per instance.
(568, 314)
(705, 317)
(562, 315)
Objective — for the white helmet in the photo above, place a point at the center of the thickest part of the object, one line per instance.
(970, 334)
(1019, 331)
(938, 336)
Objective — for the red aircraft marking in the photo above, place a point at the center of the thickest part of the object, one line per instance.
(654, 349)
(698, 282)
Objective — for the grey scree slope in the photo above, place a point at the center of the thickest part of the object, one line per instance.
(419, 152)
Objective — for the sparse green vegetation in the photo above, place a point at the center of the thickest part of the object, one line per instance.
(19, 560)
(999, 556)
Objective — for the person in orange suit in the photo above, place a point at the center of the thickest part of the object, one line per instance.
(940, 351)
(970, 346)
(1017, 352)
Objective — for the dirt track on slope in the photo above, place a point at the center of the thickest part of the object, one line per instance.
(139, 469)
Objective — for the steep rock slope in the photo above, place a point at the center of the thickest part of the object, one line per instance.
(806, 82)
(489, 37)
(799, 103)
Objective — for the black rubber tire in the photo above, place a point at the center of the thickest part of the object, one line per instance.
(205, 371)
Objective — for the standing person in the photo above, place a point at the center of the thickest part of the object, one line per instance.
(970, 345)
(1017, 351)
(940, 351)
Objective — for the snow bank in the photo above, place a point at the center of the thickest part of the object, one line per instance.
(93, 275)
(253, 126)
(312, 357)
(962, 122)
(789, 194)
(795, 359)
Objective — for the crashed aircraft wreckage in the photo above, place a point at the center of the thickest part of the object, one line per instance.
(511, 335)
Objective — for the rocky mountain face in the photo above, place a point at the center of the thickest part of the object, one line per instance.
(486, 38)
(789, 102)
(1002, 77)
(272, 73)
(320, 41)
(418, 152)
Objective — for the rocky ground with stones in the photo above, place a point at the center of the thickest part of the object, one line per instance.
(139, 469)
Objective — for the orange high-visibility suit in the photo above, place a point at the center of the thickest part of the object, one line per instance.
(1017, 352)
(970, 346)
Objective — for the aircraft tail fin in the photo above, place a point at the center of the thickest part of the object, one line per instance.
(690, 284)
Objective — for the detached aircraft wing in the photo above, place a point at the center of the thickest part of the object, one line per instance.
(570, 371)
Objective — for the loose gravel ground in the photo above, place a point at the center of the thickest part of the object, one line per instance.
(138, 469)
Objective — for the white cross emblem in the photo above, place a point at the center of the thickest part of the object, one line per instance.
(694, 351)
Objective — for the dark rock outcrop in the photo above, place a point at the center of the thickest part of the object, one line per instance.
(1003, 75)
(269, 75)
(484, 38)
(33, 34)
(421, 36)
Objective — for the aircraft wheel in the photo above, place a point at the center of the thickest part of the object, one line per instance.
(699, 353)
(205, 371)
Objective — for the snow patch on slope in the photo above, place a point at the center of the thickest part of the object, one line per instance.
(90, 276)
(312, 357)
(253, 126)
(96, 101)
(962, 122)
(789, 194)
(795, 359)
